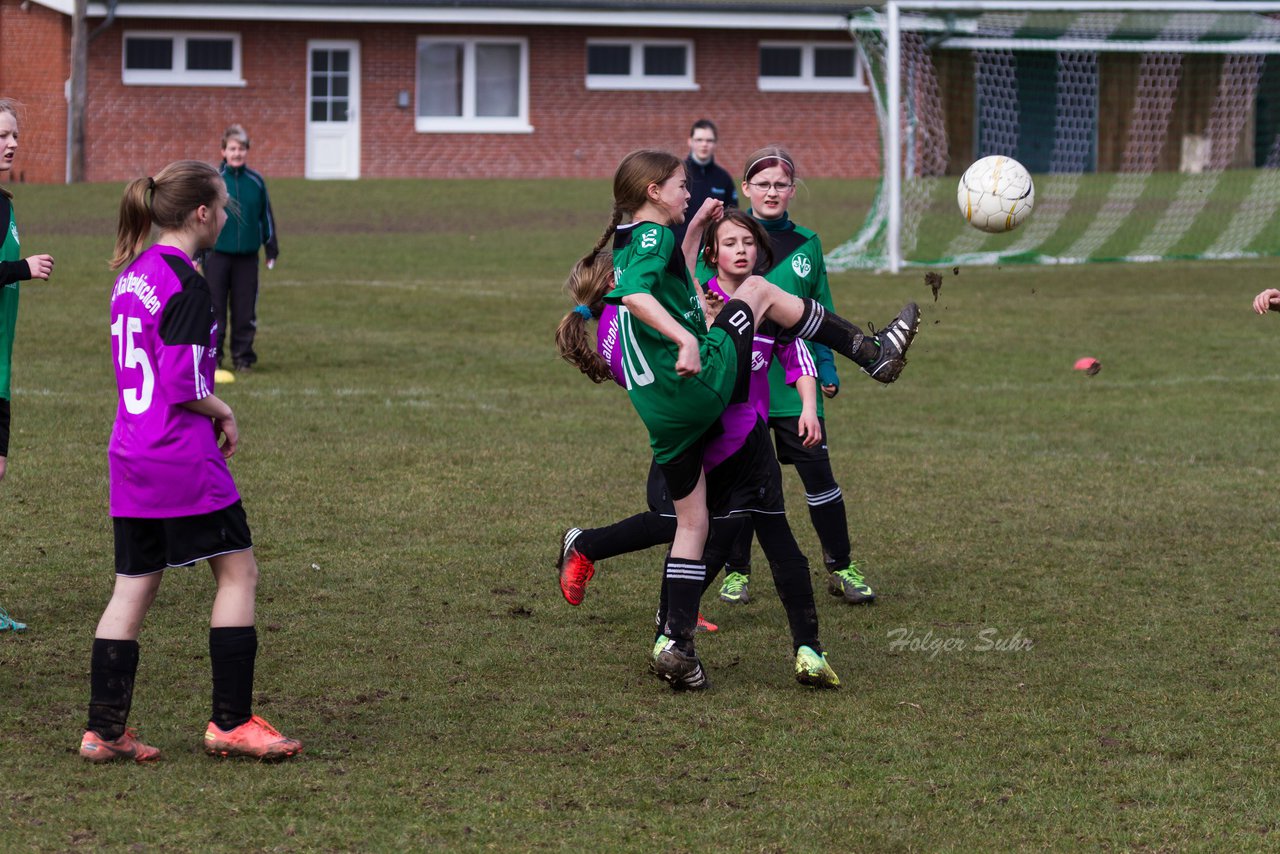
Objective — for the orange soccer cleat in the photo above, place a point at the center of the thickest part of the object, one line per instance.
(95, 748)
(575, 569)
(255, 738)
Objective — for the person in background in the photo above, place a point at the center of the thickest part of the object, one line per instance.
(232, 267)
(707, 179)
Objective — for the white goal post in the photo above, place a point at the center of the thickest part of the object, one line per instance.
(1152, 129)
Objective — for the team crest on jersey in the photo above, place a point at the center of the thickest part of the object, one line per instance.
(757, 361)
(649, 239)
(801, 265)
(13, 229)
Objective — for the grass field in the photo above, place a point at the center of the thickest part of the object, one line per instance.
(412, 448)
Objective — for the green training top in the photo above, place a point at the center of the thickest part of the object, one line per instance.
(10, 250)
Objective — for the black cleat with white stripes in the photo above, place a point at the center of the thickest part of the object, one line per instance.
(894, 340)
(683, 672)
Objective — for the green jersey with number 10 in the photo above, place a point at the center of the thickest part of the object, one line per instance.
(675, 409)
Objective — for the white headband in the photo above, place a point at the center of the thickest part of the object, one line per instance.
(771, 157)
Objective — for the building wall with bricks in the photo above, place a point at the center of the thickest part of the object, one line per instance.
(35, 47)
(133, 130)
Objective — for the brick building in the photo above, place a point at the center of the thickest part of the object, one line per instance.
(438, 89)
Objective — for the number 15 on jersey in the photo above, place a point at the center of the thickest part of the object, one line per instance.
(136, 399)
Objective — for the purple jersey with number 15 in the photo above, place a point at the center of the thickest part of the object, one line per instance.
(164, 458)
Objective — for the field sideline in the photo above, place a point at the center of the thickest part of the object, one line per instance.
(413, 447)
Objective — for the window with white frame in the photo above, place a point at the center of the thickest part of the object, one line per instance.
(648, 64)
(810, 67)
(468, 85)
(155, 58)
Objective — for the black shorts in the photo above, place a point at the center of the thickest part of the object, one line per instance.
(791, 449)
(738, 323)
(679, 476)
(748, 481)
(146, 546)
(4, 427)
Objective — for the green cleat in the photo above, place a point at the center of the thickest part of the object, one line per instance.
(849, 584)
(734, 589)
(812, 669)
(653, 653)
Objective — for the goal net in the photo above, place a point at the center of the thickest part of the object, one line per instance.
(1152, 130)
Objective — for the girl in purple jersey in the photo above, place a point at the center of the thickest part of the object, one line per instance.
(742, 474)
(173, 501)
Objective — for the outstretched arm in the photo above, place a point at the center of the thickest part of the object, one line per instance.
(711, 211)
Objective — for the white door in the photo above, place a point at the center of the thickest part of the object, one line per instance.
(333, 109)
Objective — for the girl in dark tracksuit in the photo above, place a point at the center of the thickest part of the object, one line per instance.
(232, 267)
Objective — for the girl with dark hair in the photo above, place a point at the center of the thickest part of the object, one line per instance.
(769, 183)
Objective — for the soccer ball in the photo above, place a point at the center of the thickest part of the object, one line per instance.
(996, 194)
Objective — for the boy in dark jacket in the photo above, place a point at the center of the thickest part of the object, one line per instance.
(232, 267)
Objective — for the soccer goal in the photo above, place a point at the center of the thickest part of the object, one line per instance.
(1152, 129)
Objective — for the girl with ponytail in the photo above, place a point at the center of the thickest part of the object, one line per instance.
(173, 501)
(681, 374)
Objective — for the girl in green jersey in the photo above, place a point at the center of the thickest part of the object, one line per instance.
(12, 271)
(680, 375)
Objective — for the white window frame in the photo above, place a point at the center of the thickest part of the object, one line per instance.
(179, 75)
(637, 79)
(807, 82)
(469, 122)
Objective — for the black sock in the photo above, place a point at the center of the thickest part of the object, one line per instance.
(113, 666)
(684, 580)
(832, 525)
(232, 651)
(725, 534)
(633, 534)
(739, 559)
(791, 579)
(827, 327)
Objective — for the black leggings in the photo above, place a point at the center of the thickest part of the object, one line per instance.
(829, 519)
(790, 573)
